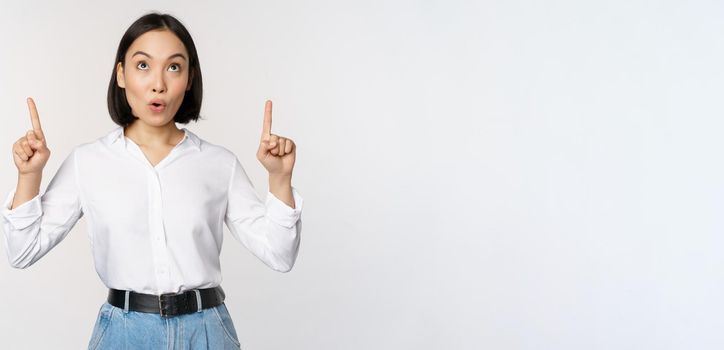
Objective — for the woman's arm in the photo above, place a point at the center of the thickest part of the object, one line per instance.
(270, 229)
(33, 227)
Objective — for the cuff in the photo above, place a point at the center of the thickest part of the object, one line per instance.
(280, 212)
(23, 215)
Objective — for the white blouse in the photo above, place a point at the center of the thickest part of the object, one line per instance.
(154, 229)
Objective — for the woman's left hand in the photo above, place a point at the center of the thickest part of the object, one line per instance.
(276, 153)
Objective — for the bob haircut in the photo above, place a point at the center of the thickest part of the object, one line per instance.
(190, 108)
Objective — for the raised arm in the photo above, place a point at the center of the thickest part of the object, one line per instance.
(270, 229)
(33, 223)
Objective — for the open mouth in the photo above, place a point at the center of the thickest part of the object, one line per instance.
(157, 107)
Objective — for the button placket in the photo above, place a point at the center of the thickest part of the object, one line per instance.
(157, 230)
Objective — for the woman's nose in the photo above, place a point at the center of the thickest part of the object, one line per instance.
(159, 85)
(158, 88)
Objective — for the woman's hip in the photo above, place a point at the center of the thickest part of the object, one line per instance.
(210, 328)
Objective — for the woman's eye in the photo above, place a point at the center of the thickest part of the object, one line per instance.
(178, 67)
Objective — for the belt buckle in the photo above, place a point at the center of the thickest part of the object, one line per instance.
(161, 304)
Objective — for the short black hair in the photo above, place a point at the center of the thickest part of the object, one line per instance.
(190, 109)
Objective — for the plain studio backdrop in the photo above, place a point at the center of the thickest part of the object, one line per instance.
(476, 175)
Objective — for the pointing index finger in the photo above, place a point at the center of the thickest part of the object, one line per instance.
(34, 118)
(266, 130)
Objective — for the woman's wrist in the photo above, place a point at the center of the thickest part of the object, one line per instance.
(28, 187)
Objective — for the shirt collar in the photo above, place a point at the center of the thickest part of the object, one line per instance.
(117, 134)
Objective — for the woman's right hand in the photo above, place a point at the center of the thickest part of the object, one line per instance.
(31, 152)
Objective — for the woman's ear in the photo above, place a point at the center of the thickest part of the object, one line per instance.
(119, 76)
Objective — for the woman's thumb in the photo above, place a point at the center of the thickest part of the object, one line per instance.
(269, 145)
(30, 136)
(32, 140)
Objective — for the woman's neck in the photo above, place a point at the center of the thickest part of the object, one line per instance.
(153, 136)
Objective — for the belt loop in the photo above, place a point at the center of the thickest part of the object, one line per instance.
(125, 302)
(198, 299)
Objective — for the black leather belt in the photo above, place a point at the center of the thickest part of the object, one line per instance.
(169, 304)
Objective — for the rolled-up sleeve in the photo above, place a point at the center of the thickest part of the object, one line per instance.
(33, 228)
(269, 229)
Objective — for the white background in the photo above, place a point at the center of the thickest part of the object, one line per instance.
(476, 175)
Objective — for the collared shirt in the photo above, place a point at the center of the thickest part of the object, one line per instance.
(154, 229)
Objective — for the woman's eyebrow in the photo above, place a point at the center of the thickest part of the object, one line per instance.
(169, 57)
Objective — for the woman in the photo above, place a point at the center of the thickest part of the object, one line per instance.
(156, 198)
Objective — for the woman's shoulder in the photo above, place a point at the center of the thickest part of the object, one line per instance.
(212, 150)
(209, 147)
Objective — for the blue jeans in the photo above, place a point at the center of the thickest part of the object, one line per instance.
(210, 328)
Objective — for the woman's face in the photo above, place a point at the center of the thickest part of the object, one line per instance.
(156, 68)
